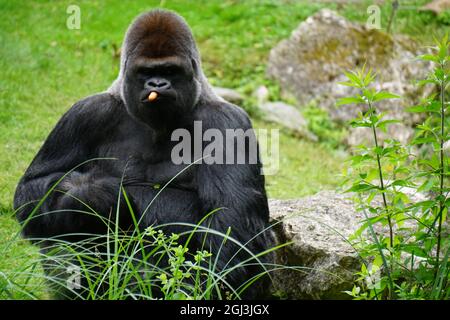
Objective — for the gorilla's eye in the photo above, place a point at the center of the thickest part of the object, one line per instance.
(144, 72)
(172, 71)
(168, 71)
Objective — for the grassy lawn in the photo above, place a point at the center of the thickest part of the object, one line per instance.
(45, 68)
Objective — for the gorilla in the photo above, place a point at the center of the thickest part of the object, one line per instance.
(122, 138)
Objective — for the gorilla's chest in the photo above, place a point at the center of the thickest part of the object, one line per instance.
(134, 147)
(137, 152)
(132, 140)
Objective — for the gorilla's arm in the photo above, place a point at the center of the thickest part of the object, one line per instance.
(237, 188)
(67, 146)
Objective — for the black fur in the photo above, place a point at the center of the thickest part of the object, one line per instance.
(117, 124)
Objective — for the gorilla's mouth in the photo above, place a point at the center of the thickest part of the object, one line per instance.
(153, 97)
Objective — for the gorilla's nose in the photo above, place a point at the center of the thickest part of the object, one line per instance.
(158, 84)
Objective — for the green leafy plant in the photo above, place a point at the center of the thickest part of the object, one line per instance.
(444, 17)
(402, 237)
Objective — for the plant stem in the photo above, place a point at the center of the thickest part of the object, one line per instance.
(395, 5)
(380, 250)
(380, 172)
(441, 172)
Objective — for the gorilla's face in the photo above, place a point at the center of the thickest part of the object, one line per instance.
(173, 80)
(160, 57)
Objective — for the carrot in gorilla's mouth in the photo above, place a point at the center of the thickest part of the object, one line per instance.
(152, 96)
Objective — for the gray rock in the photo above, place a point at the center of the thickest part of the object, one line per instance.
(310, 65)
(287, 116)
(437, 6)
(229, 95)
(447, 146)
(317, 226)
(261, 94)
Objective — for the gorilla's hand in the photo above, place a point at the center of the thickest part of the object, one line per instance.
(135, 172)
(141, 173)
(176, 176)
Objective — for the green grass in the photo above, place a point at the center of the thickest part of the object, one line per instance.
(45, 68)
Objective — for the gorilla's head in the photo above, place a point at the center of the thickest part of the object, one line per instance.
(159, 55)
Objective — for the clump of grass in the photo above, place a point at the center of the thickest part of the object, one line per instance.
(135, 263)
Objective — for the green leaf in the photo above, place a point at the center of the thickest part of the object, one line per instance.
(353, 77)
(360, 123)
(427, 81)
(423, 140)
(428, 57)
(361, 158)
(369, 78)
(426, 186)
(424, 205)
(383, 95)
(374, 118)
(414, 249)
(431, 106)
(425, 128)
(369, 94)
(443, 48)
(378, 150)
(347, 84)
(361, 187)
(383, 124)
(432, 163)
(419, 108)
(349, 100)
(400, 183)
(439, 74)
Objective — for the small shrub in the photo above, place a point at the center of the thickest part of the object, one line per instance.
(411, 260)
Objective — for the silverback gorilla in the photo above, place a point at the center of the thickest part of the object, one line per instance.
(160, 88)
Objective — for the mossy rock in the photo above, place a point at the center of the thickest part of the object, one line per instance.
(310, 65)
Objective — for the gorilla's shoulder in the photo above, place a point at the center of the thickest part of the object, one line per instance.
(97, 105)
(223, 115)
(98, 109)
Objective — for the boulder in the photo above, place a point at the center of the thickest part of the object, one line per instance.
(229, 95)
(317, 226)
(287, 116)
(261, 94)
(324, 263)
(310, 64)
(437, 6)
